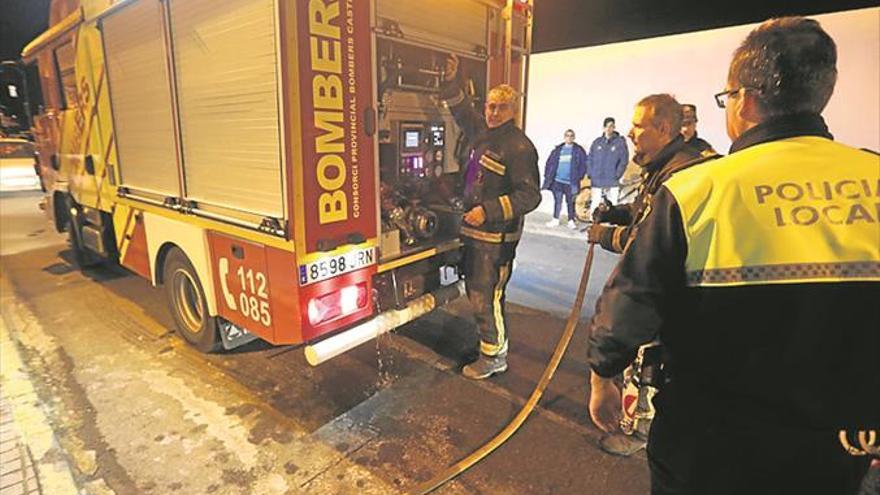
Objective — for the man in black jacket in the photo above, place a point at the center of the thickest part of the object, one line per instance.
(566, 166)
(500, 187)
(760, 272)
(689, 130)
(660, 150)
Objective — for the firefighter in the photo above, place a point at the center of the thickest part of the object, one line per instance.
(500, 187)
(660, 150)
(760, 273)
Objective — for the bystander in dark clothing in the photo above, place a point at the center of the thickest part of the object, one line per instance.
(689, 130)
(563, 172)
(606, 163)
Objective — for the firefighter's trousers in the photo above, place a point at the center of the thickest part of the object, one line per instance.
(487, 270)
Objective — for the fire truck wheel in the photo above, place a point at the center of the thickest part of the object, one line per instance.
(186, 299)
(83, 257)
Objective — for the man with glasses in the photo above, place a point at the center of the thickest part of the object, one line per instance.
(563, 172)
(500, 187)
(760, 272)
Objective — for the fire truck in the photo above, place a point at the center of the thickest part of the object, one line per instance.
(284, 169)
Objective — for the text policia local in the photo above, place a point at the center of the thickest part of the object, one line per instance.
(807, 203)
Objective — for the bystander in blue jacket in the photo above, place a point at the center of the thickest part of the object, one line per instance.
(606, 164)
(563, 172)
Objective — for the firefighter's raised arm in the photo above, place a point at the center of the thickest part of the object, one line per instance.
(452, 91)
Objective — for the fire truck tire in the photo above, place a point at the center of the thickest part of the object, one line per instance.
(186, 299)
(83, 257)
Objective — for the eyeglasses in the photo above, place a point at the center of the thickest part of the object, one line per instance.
(722, 97)
(568, 134)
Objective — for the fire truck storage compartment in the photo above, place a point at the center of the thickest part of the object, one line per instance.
(142, 116)
(421, 149)
(221, 98)
(459, 25)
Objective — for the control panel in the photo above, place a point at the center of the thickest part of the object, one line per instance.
(422, 149)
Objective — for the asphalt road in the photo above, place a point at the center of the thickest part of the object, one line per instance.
(138, 411)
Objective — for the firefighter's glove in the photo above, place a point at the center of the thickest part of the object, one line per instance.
(601, 211)
(605, 409)
(451, 69)
(475, 217)
(594, 233)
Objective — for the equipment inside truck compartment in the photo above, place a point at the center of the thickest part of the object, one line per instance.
(420, 147)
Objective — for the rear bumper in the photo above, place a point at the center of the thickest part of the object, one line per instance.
(333, 346)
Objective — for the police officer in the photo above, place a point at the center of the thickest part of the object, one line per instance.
(760, 273)
(689, 130)
(500, 187)
(660, 150)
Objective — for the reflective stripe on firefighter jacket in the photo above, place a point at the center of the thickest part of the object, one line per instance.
(797, 210)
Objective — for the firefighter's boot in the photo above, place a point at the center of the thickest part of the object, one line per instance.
(621, 444)
(486, 366)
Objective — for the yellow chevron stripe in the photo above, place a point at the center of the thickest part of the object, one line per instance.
(479, 235)
(492, 349)
(130, 224)
(615, 239)
(506, 206)
(493, 237)
(492, 165)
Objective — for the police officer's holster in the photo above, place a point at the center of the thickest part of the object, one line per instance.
(487, 268)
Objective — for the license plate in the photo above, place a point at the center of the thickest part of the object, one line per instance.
(333, 266)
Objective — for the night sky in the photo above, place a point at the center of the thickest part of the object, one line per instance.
(20, 22)
(577, 23)
(558, 23)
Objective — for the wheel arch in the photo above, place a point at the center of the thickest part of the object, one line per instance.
(161, 256)
(165, 234)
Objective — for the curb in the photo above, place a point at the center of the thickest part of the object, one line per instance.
(31, 459)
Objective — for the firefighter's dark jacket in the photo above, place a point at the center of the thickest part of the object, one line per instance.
(675, 156)
(701, 145)
(760, 273)
(507, 184)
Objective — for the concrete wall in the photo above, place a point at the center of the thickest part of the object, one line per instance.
(577, 88)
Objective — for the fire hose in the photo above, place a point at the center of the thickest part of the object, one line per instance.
(508, 431)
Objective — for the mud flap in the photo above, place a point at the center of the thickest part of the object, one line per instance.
(233, 336)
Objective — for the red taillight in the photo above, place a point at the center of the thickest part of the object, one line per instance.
(336, 304)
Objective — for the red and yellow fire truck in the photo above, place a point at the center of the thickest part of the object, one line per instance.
(284, 168)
